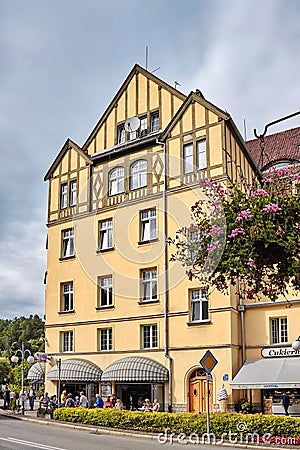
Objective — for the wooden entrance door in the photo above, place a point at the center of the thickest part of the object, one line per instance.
(197, 392)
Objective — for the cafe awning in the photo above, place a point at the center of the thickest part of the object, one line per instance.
(277, 373)
(36, 372)
(75, 370)
(135, 369)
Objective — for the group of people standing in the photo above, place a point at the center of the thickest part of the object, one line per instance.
(110, 402)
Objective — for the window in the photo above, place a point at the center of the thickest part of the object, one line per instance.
(105, 339)
(148, 224)
(149, 285)
(121, 134)
(143, 126)
(194, 237)
(64, 196)
(116, 181)
(67, 341)
(73, 193)
(106, 234)
(106, 295)
(67, 301)
(188, 162)
(199, 305)
(279, 334)
(154, 121)
(201, 154)
(67, 243)
(138, 174)
(149, 336)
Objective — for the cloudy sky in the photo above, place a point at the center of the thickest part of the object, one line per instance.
(63, 60)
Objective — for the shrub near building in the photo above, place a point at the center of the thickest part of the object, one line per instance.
(221, 423)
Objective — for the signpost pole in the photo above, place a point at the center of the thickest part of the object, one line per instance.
(207, 407)
(208, 362)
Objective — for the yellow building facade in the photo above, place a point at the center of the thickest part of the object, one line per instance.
(121, 318)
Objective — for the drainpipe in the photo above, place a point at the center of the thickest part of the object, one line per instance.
(241, 309)
(166, 287)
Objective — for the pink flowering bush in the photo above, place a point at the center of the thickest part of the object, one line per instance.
(248, 232)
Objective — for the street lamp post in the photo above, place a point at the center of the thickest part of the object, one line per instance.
(30, 360)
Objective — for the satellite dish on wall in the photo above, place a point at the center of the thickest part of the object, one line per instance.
(132, 124)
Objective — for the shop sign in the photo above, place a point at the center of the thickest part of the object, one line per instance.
(276, 352)
(106, 389)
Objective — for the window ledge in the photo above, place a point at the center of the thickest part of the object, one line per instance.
(199, 322)
(66, 258)
(105, 351)
(147, 302)
(104, 250)
(71, 311)
(149, 241)
(98, 308)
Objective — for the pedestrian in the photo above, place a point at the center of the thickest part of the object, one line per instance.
(99, 401)
(108, 403)
(286, 403)
(53, 402)
(119, 404)
(147, 405)
(70, 402)
(63, 398)
(6, 397)
(155, 406)
(83, 401)
(31, 397)
(113, 400)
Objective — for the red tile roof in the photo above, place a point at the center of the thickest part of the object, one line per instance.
(278, 147)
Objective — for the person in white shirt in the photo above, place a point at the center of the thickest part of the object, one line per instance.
(83, 401)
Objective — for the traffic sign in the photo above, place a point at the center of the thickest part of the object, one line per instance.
(208, 361)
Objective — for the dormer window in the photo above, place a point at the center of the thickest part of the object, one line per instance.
(121, 134)
(143, 126)
(154, 121)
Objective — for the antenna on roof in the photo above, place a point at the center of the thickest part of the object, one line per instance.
(176, 84)
(245, 130)
(147, 56)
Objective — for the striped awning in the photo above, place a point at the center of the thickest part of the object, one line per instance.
(75, 370)
(36, 372)
(135, 369)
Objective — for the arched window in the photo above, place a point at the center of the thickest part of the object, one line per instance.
(116, 181)
(138, 174)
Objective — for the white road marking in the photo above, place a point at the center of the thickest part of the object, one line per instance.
(31, 444)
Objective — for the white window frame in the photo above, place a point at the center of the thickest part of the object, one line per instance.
(154, 121)
(143, 126)
(278, 330)
(105, 339)
(63, 195)
(201, 160)
(105, 234)
(199, 305)
(73, 192)
(121, 134)
(67, 341)
(188, 158)
(138, 174)
(149, 336)
(148, 225)
(105, 291)
(67, 297)
(116, 181)
(67, 248)
(149, 285)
